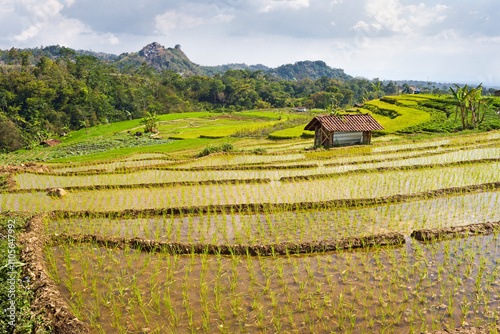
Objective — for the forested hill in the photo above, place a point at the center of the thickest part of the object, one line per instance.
(73, 91)
(160, 58)
(308, 69)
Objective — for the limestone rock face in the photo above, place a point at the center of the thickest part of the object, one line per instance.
(57, 192)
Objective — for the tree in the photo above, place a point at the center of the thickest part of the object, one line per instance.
(150, 121)
(471, 105)
(129, 115)
(84, 124)
(13, 55)
(10, 137)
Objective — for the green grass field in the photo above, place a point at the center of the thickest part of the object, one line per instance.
(264, 235)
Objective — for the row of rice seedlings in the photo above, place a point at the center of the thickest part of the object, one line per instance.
(147, 156)
(380, 156)
(353, 186)
(410, 146)
(237, 159)
(41, 181)
(459, 140)
(279, 225)
(232, 159)
(111, 166)
(410, 289)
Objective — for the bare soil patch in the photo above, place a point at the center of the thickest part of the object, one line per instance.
(48, 300)
(455, 231)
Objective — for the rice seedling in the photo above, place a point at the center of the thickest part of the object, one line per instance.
(360, 291)
(408, 288)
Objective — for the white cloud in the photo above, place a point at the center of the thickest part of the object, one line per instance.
(6, 7)
(113, 40)
(395, 17)
(41, 22)
(41, 14)
(172, 20)
(223, 18)
(269, 5)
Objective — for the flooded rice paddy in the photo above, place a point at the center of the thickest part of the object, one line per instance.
(284, 226)
(40, 181)
(406, 289)
(353, 186)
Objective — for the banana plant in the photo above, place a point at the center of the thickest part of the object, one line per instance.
(471, 105)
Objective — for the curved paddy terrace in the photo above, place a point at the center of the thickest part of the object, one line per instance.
(111, 166)
(352, 186)
(406, 289)
(159, 176)
(316, 241)
(235, 227)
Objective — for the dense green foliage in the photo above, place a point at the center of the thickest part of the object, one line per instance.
(425, 113)
(80, 91)
(51, 91)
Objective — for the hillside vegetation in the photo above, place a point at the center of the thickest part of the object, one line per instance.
(78, 91)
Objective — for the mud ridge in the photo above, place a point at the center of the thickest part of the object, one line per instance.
(428, 235)
(215, 168)
(468, 330)
(286, 248)
(29, 167)
(7, 183)
(48, 300)
(143, 185)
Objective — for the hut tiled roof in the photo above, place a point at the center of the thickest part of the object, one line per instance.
(345, 123)
(51, 142)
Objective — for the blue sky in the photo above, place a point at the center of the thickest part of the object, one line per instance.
(446, 41)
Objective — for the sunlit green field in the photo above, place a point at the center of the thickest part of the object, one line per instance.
(268, 193)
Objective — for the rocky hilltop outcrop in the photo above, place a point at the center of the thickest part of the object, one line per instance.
(162, 59)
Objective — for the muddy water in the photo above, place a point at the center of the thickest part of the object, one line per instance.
(274, 227)
(37, 181)
(408, 289)
(367, 185)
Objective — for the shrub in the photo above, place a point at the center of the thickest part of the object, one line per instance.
(150, 121)
(10, 137)
(226, 147)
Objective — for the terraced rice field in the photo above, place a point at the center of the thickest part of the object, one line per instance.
(110, 241)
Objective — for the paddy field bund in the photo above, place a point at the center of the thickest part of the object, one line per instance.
(304, 241)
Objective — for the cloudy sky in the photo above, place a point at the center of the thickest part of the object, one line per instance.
(446, 41)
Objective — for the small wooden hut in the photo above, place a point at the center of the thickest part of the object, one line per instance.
(50, 142)
(343, 129)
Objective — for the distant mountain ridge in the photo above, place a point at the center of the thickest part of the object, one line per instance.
(174, 59)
